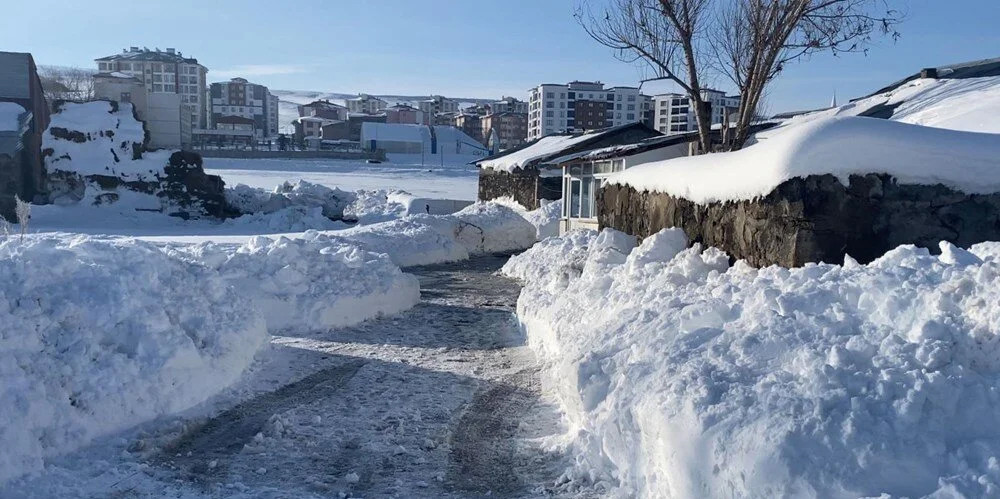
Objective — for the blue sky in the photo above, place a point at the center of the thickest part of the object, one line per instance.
(466, 48)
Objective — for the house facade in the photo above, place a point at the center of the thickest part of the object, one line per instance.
(323, 109)
(528, 174)
(471, 125)
(240, 98)
(24, 116)
(585, 172)
(553, 108)
(166, 71)
(365, 103)
(406, 114)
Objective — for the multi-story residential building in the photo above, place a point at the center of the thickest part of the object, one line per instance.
(438, 104)
(554, 108)
(406, 114)
(240, 98)
(509, 105)
(471, 125)
(673, 113)
(445, 119)
(323, 109)
(165, 71)
(511, 128)
(365, 103)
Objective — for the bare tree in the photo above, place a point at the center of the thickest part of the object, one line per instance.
(66, 83)
(747, 41)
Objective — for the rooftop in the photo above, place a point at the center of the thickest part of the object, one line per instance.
(145, 54)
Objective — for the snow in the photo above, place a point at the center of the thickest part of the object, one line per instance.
(684, 376)
(107, 149)
(10, 112)
(545, 219)
(100, 335)
(841, 146)
(969, 104)
(545, 146)
(431, 178)
(310, 283)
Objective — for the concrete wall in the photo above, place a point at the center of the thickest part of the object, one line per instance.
(163, 120)
(816, 219)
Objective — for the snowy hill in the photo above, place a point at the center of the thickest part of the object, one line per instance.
(288, 100)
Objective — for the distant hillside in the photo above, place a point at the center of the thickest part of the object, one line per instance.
(288, 100)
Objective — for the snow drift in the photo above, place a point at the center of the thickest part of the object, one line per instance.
(684, 376)
(309, 284)
(841, 146)
(100, 335)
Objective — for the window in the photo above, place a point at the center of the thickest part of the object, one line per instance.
(630, 116)
(550, 104)
(550, 95)
(562, 95)
(157, 87)
(574, 197)
(631, 98)
(157, 67)
(157, 78)
(631, 107)
(126, 97)
(550, 114)
(586, 193)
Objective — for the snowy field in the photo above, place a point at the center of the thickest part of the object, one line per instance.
(455, 179)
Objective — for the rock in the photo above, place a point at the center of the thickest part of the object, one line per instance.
(813, 219)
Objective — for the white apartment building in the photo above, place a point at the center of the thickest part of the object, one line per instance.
(166, 71)
(582, 105)
(437, 104)
(673, 113)
(238, 97)
(365, 103)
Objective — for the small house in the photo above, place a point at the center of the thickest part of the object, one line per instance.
(584, 172)
(528, 173)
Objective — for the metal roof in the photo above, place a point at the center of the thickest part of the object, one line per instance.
(620, 151)
(595, 135)
(970, 69)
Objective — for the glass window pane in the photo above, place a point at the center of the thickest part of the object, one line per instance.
(574, 198)
(586, 198)
(566, 186)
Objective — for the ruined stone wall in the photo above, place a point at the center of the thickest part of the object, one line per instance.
(813, 219)
(524, 185)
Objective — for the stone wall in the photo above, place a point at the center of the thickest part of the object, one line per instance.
(813, 219)
(524, 185)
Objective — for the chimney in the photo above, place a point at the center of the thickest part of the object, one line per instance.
(170, 50)
(133, 49)
(929, 73)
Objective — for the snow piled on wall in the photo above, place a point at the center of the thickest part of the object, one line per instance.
(100, 335)
(841, 146)
(683, 376)
(109, 135)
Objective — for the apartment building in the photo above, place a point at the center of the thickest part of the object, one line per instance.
(406, 114)
(166, 71)
(471, 125)
(438, 104)
(240, 98)
(509, 105)
(511, 128)
(673, 113)
(323, 109)
(365, 103)
(582, 105)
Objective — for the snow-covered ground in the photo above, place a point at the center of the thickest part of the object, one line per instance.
(454, 180)
(684, 376)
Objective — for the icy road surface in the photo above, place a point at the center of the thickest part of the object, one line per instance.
(441, 401)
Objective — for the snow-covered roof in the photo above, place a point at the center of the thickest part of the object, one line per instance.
(969, 104)
(10, 114)
(841, 146)
(547, 148)
(395, 132)
(628, 149)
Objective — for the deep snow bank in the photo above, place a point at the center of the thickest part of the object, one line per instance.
(425, 239)
(840, 146)
(687, 377)
(309, 284)
(100, 335)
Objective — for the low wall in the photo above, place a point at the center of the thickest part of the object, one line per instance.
(524, 185)
(813, 219)
(248, 154)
